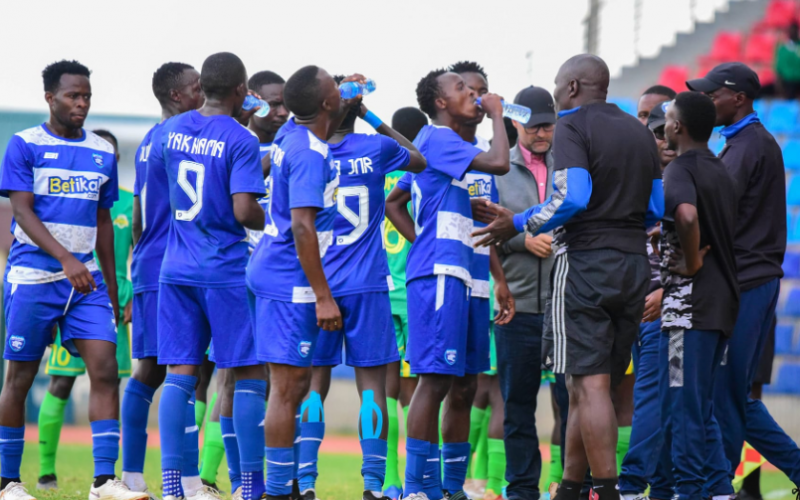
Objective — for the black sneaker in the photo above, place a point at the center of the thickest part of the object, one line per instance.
(212, 485)
(47, 482)
(458, 495)
(369, 496)
(309, 494)
(295, 494)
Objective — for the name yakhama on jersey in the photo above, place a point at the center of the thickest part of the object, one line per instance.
(303, 175)
(356, 262)
(70, 179)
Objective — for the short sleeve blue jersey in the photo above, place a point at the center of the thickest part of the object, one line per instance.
(70, 180)
(152, 188)
(442, 212)
(302, 176)
(208, 159)
(481, 185)
(254, 236)
(356, 262)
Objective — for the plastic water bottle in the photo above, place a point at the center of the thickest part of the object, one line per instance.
(351, 89)
(251, 102)
(516, 112)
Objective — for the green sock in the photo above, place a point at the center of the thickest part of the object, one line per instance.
(475, 426)
(556, 469)
(623, 443)
(405, 419)
(480, 470)
(392, 476)
(497, 466)
(51, 418)
(199, 413)
(213, 452)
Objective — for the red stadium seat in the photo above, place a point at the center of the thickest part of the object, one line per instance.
(779, 14)
(674, 77)
(760, 48)
(727, 47)
(766, 75)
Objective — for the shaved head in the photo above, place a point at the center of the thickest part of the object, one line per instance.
(582, 78)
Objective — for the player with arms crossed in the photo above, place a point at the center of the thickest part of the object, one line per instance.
(359, 278)
(62, 182)
(214, 177)
(292, 297)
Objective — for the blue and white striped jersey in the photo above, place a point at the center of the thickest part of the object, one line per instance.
(481, 185)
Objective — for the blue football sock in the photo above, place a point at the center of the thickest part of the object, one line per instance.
(135, 410)
(12, 441)
(417, 452)
(310, 440)
(280, 467)
(231, 451)
(175, 397)
(296, 446)
(456, 460)
(191, 442)
(248, 414)
(373, 466)
(432, 481)
(105, 446)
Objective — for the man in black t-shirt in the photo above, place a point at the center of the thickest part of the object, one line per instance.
(606, 168)
(701, 293)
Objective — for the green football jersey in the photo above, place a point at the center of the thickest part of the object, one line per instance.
(397, 249)
(122, 217)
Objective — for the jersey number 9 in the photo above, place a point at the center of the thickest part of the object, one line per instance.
(195, 194)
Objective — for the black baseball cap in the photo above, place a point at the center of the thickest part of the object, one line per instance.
(540, 102)
(658, 115)
(733, 75)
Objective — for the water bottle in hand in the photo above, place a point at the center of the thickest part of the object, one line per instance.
(516, 112)
(349, 90)
(252, 101)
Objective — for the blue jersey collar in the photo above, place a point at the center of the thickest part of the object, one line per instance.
(566, 112)
(51, 134)
(732, 130)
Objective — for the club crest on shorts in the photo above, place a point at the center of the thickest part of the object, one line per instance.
(304, 347)
(450, 356)
(16, 343)
(98, 159)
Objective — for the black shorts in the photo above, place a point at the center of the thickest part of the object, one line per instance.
(593, 315)
(764, 370)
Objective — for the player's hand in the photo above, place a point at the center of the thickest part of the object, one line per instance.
(501, 228)
(505, 303)
(480, 212)
(540, 245)
(328, 316)
(655, 235)
(127, 315)
(678, 265)
(246, 114)
(78, 275)
(652, 306)
(493, 105)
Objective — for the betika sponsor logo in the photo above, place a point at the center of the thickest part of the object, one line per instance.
(480, 187)
(74, 184)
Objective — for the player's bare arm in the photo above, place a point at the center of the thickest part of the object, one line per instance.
(496, 160)
(247, 211)
(105, 254)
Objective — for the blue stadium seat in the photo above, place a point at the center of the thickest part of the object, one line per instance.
(791, 154)
(784, 338)
(761, 107)
(716, 143)
(788, 375)
(793, 191)
(626, 105)
(793, 226)
(791, 265)
(783, 117)
(792, 305)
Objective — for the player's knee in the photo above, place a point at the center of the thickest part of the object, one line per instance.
(103, 374)
(61, 387)
(150, 373)
(462, 392)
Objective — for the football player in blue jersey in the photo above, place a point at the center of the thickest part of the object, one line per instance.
(62, 181)
(176, 86)
(214, 179)
(359, 278)
(269, 86)
(439, 278)
(293, 299)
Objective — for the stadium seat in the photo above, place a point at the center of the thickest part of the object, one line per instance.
(779, 14)
(716, 143)
(787, 380)
(793, 192)
(762, 108)
(793, 226)
(626, 105)
(782, 117)
(784, 338)
(791, 265)
(791, 154)
(760, 48)
(674, 77)
(792, 305)
(766, 75)
(726, 47)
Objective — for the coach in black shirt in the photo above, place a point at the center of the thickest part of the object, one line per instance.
(754, 159)
(701, 293)
(606, 166)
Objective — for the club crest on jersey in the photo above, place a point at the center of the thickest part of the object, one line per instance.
(450, 356)
(304, 347)
(98, 159)
(16, 343)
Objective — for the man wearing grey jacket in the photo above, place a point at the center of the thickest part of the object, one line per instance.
(527, 261)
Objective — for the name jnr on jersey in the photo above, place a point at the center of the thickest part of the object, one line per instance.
(195, 145)
(358, 166)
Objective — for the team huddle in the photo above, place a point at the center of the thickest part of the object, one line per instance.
(259, 247)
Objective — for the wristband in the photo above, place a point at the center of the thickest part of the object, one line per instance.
(372, 119)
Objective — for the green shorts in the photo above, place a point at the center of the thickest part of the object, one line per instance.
(401, 335)
(62, 363)
(547, 376)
